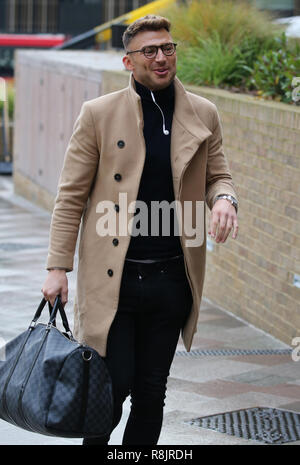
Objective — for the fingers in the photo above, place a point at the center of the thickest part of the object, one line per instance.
(224, 229)
(56, 284)
(64, 296)
(235, 228)
(50, 296)
(221, 223)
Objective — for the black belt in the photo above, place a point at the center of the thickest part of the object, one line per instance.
(155, 260)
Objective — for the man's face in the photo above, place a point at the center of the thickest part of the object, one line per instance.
(154, 73)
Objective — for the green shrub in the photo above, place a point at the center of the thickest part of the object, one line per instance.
(212, 62)
(233, 20)
(273, 71)
(227, 43)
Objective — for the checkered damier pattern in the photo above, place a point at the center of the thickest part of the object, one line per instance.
(46, 386)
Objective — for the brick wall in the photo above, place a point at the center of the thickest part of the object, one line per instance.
(253, 276)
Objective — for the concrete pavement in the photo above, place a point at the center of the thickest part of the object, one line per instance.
(215, 379)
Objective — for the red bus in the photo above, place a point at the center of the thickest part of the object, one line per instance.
(9, 42)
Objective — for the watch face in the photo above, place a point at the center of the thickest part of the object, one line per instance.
(232, 199)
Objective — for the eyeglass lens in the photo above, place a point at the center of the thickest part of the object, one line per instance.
(151, 51)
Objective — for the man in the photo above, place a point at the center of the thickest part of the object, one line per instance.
(151, 142)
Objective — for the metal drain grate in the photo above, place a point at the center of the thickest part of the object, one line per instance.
(263, 424)
(224, 352)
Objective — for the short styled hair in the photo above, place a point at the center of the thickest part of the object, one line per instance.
(147, 23)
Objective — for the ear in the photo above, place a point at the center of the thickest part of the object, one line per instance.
(128, 63)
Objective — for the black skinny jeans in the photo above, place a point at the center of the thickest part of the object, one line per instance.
(155, 301)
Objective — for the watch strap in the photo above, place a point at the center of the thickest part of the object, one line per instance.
(228, 197)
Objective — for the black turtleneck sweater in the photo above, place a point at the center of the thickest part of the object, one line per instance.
(156, 181)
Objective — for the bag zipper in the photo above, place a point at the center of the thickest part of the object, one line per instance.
(85, 388)
(4, 400)
(20, 406)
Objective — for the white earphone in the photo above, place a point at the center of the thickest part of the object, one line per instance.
(165, 131)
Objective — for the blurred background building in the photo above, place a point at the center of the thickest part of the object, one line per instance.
(60, 16)
(72, 17)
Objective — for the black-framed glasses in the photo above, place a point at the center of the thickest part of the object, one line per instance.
(150, 51)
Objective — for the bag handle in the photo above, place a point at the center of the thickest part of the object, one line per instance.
(62, 312)
(53, 311)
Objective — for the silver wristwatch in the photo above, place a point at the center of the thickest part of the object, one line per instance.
(231, 199)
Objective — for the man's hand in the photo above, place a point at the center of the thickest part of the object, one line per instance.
(56, 283)
(223, 218)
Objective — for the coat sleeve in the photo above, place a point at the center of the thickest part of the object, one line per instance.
(218, 177)
(76, 178)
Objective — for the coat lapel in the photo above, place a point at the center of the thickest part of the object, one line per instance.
(188, 131)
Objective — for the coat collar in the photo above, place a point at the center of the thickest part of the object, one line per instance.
(184, 112)
(161, 96)
(188, 130)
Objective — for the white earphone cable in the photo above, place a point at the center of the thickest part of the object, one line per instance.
(165, 131)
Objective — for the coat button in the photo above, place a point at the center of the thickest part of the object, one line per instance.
(118, 177)
(115, 241)
(121, 144)
(117, 207)
(110, 272)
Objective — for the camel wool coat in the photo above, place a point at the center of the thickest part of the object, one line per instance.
(105, 156)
